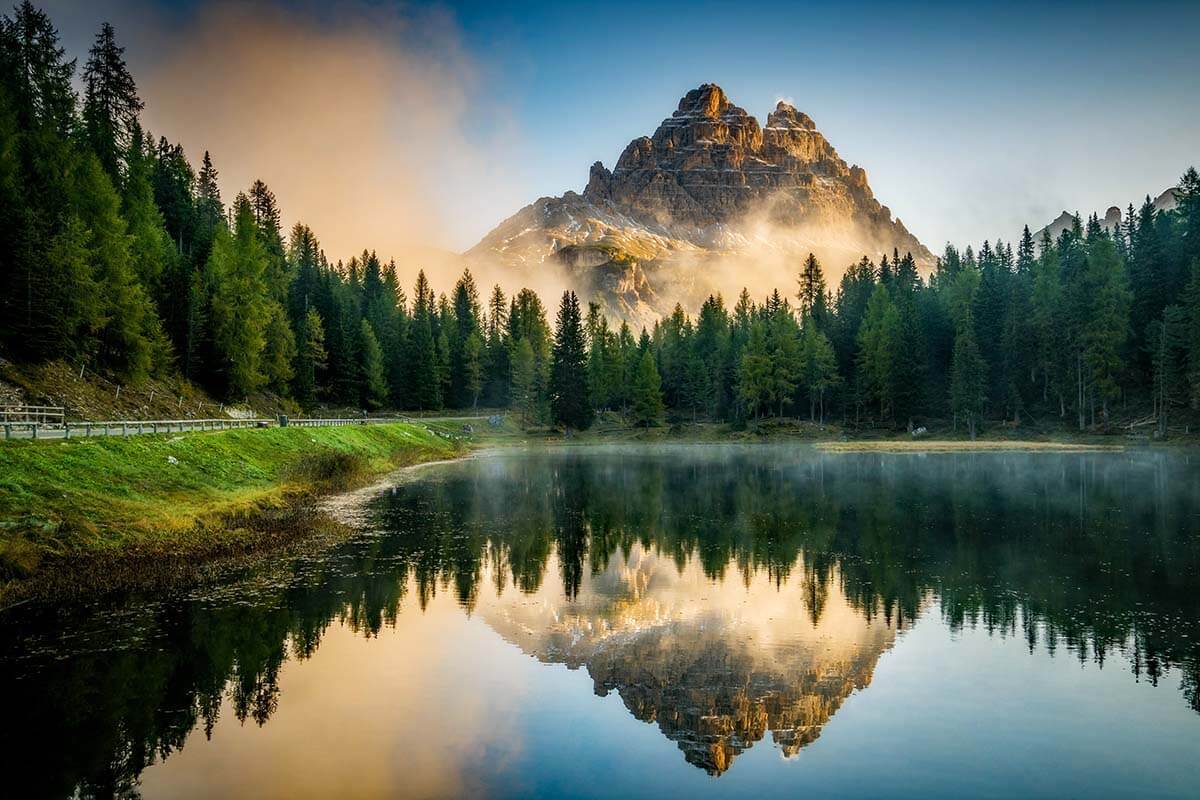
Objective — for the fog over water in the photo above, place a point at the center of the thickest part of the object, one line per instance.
(732, 620)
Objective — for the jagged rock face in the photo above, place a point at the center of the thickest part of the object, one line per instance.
(710, 184)
(711, 164)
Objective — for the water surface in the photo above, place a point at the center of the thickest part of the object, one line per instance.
(650, 622)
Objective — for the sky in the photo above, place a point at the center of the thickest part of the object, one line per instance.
(401, 126)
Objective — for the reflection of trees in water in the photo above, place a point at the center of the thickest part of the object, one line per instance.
(1094, 553)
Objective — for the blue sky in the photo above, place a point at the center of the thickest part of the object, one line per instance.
(970, 119)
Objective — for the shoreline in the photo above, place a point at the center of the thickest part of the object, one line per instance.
(288, 512)
(78, 522)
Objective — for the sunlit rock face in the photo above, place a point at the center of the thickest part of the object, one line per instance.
(715, 665)
(710, 198)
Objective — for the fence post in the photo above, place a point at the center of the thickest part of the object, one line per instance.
(35, 430)
(7, 431)
(124, 429)
(66, 430)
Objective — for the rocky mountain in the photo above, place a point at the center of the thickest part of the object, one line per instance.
(1113, 216)
(710, 202)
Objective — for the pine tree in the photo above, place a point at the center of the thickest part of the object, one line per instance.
(783, 343)
(712, 348)
(754, 379)
(496, 357)
(310, 358)
(967, 379)
(473, 355)
(1047, 305)
(876, 338)
(131, 341)
(111, 104)
(240, 308)
(812, 293)
(36, 73)
(647, 400)
(1168, 339)
(524, 382)
(599, 364)
(466, 313)
(818, 370)
(1192, 335)
(374, 378)
(1105, 325)
(568, 371)
(423, 387)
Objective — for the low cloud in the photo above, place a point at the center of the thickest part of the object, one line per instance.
(370, 124)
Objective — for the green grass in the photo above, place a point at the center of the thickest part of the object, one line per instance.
(107, 494)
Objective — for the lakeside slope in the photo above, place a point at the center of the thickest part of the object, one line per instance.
(189, 494)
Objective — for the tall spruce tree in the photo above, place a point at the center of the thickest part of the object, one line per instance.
(968, 377)
(647, 403)
(569, 403)
(110, 103)
(240, 303)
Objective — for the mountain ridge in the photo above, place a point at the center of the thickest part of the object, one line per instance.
(704, 202)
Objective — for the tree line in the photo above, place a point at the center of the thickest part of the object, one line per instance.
(116, 254)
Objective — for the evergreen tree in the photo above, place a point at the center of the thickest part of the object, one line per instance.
(524, 382)
(131, 341)
(110, 103)
(310, 358)
(423, 386)
(876, 339)
(568, 371)
(374, 377)
(818, 370)
(466, 324)
(783, 343)
(496, 356)
(647, 400)
(755, 383)
(1168, 339)
(473, 367)
(812, 293)
(1105, 324)
(240, 308)
(968, 378)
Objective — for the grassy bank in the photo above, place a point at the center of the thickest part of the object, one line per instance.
(185, 494)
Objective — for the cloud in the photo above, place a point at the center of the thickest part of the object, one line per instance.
(369, 124)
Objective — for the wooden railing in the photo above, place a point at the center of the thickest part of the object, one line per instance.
(32, 415)
(34, 428)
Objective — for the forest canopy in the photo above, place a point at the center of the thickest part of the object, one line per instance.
(118, 254)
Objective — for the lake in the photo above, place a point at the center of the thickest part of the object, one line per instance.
(700, 621)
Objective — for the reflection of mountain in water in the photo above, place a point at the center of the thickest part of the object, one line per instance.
(722, 592)
(714, 666)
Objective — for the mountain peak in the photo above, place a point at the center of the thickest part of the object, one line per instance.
(787, 117)
(708, 100)
(710, 183)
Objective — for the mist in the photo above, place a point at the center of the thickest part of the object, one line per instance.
(373, 126)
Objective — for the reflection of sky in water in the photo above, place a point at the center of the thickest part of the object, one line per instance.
(442, 706)
(730, 613)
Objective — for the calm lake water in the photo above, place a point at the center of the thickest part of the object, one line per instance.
(678, 621)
